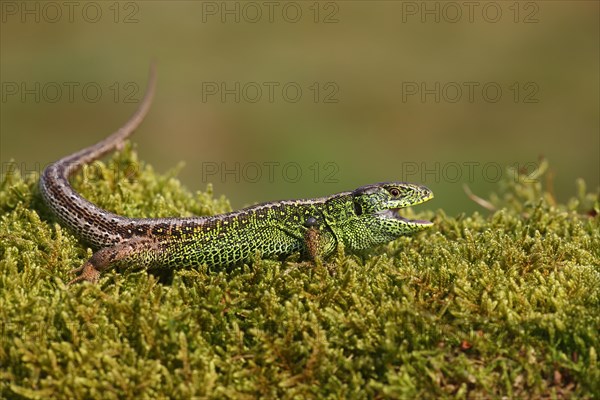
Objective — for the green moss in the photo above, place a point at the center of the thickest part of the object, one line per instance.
(506, 304)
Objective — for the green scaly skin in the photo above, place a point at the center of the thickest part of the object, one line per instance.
(355, 220)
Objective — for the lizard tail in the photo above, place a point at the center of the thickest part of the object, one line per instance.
(54, 181)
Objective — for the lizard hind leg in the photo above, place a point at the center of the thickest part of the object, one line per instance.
(134, 251)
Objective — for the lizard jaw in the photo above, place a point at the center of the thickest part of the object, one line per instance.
(394, 213)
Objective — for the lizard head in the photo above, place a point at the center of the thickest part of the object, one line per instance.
(377, 208)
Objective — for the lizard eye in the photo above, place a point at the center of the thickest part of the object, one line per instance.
(395, 192)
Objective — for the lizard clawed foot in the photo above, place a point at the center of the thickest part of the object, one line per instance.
(87, 272)
(103, 259)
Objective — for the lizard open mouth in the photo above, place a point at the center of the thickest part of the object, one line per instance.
(395, 214)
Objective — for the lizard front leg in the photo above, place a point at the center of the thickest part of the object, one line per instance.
(319, 243)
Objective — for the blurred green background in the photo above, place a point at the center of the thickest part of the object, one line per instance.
(329, 95)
